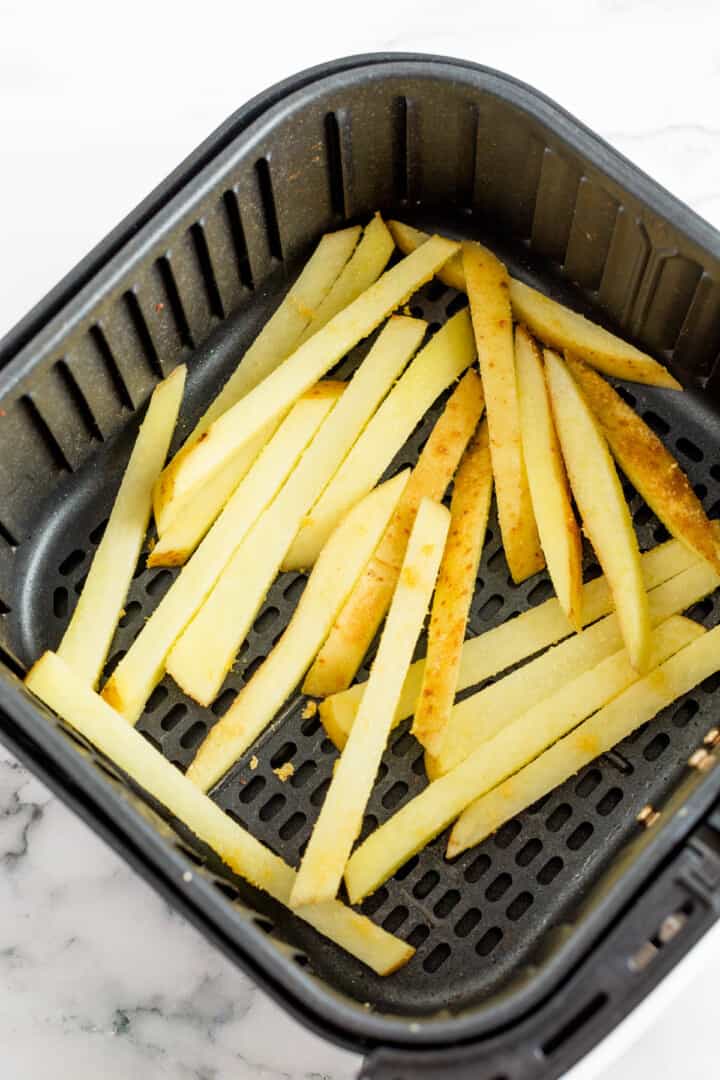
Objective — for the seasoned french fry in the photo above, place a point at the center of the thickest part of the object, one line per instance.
(360, 617)
(469, 510)
(648, 464)
(553, 323)
(141, 669)
(58, 686)
(600, 500)
(488, 292)
(424, 817)
(340, 820)
(270, 398)
(276, 340)
(87, 639)
(203, 654)
(336, 571)
(434, 368)
(507, 644)
(549, 491)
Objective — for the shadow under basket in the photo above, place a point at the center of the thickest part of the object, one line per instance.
(534, 944)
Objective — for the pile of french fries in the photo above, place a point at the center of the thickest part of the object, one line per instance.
(283, 472)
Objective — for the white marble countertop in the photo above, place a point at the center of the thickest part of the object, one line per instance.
(97, 976)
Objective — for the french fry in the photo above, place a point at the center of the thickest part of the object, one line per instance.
(507, 644)
(90, 632)
(360, 617)
(434, 368)
(143, 666)
(479, 717)
(469, 511)
(276, 340)
(549, 491)
(364, 267)
(424, 817)
(340, 564)
(600, 500)
(648, 464)
(553, 323)
(600, 733)
(488, 292)
(58, 686)
(203, 654)
(270, 398)
(340, 820)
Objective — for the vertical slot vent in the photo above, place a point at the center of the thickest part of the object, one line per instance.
(206, 268)
(400, 148)
(79, 400)
(467, 167)
(238, 236)
(272, 228)
(7, 536)
(168, 280)
(336, 179)
(106, 353)
(53, 447)
(141, 329)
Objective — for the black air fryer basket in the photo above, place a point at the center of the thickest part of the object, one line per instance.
(533, 945)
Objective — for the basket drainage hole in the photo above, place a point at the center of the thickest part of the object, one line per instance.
(224, 701)
(507, 833)
(292, 826)
(477, 868)
(426, 884)
(550, 870)
(528, 852)
(265, 620)
(272, 807)
(133, 610)
(447, 903)
(689, 449)
(609, 801)
(193, 736)
(283, 755)
(580, 836)
(468, 922)
(540, 592)
(497, 888)
(657, 746)
(407, 868)
(98, 532)
(159, 584)
(659, 426)
(71, 562)
(489, 941)
(252, 789)
(301, 776)
(519, 906)
(685, 713)
(559, 817)
(374, 902)
(395, 919)
(60, 602)
(395, 795)
(173, 716)
(491, 607)
(587, 784)
(436, 958)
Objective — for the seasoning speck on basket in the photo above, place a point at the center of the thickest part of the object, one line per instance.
(284, 772)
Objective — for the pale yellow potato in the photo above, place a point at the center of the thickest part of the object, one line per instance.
(57, 685)
(143, 666)
(601, 503)
(87, 639)
(359, 619)
(338, 826)
(469, 511)
(488, 292)
(434, 368)
(549, 490)
(270, 398)
(340, 564)
(424, 817)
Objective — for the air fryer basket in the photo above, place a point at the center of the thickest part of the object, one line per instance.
(549, 930)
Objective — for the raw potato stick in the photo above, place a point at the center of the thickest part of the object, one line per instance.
(341, 816)
(203, 654)
(549, 491)
(87, 639)
(648, 464)
(336, 571)
(488, 292)
(143, 666)
(635, 706)
(67, 695)
(555, 324)
(600, 500)
(424, 817)
(434, 368)
(469, 511)
(276, 340)
(506, 644)
(231, 431)
(360, 617)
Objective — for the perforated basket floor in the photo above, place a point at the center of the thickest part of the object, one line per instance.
(476, 923)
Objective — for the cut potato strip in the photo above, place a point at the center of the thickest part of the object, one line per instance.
(231, 431)
(488, 293)
(424, 817)
(202, 656)
(62, 691)
(341, 817)
(507, 644)
(635, 706)
(600, 500)
(141, 669)
(360, 617)
(276, 340)
(87, 639)
(648, 464)
(364, 267)
(480, 716)
(549, 491)
(553, 323)
(469, 511)
(435, 368)
(336, 571)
